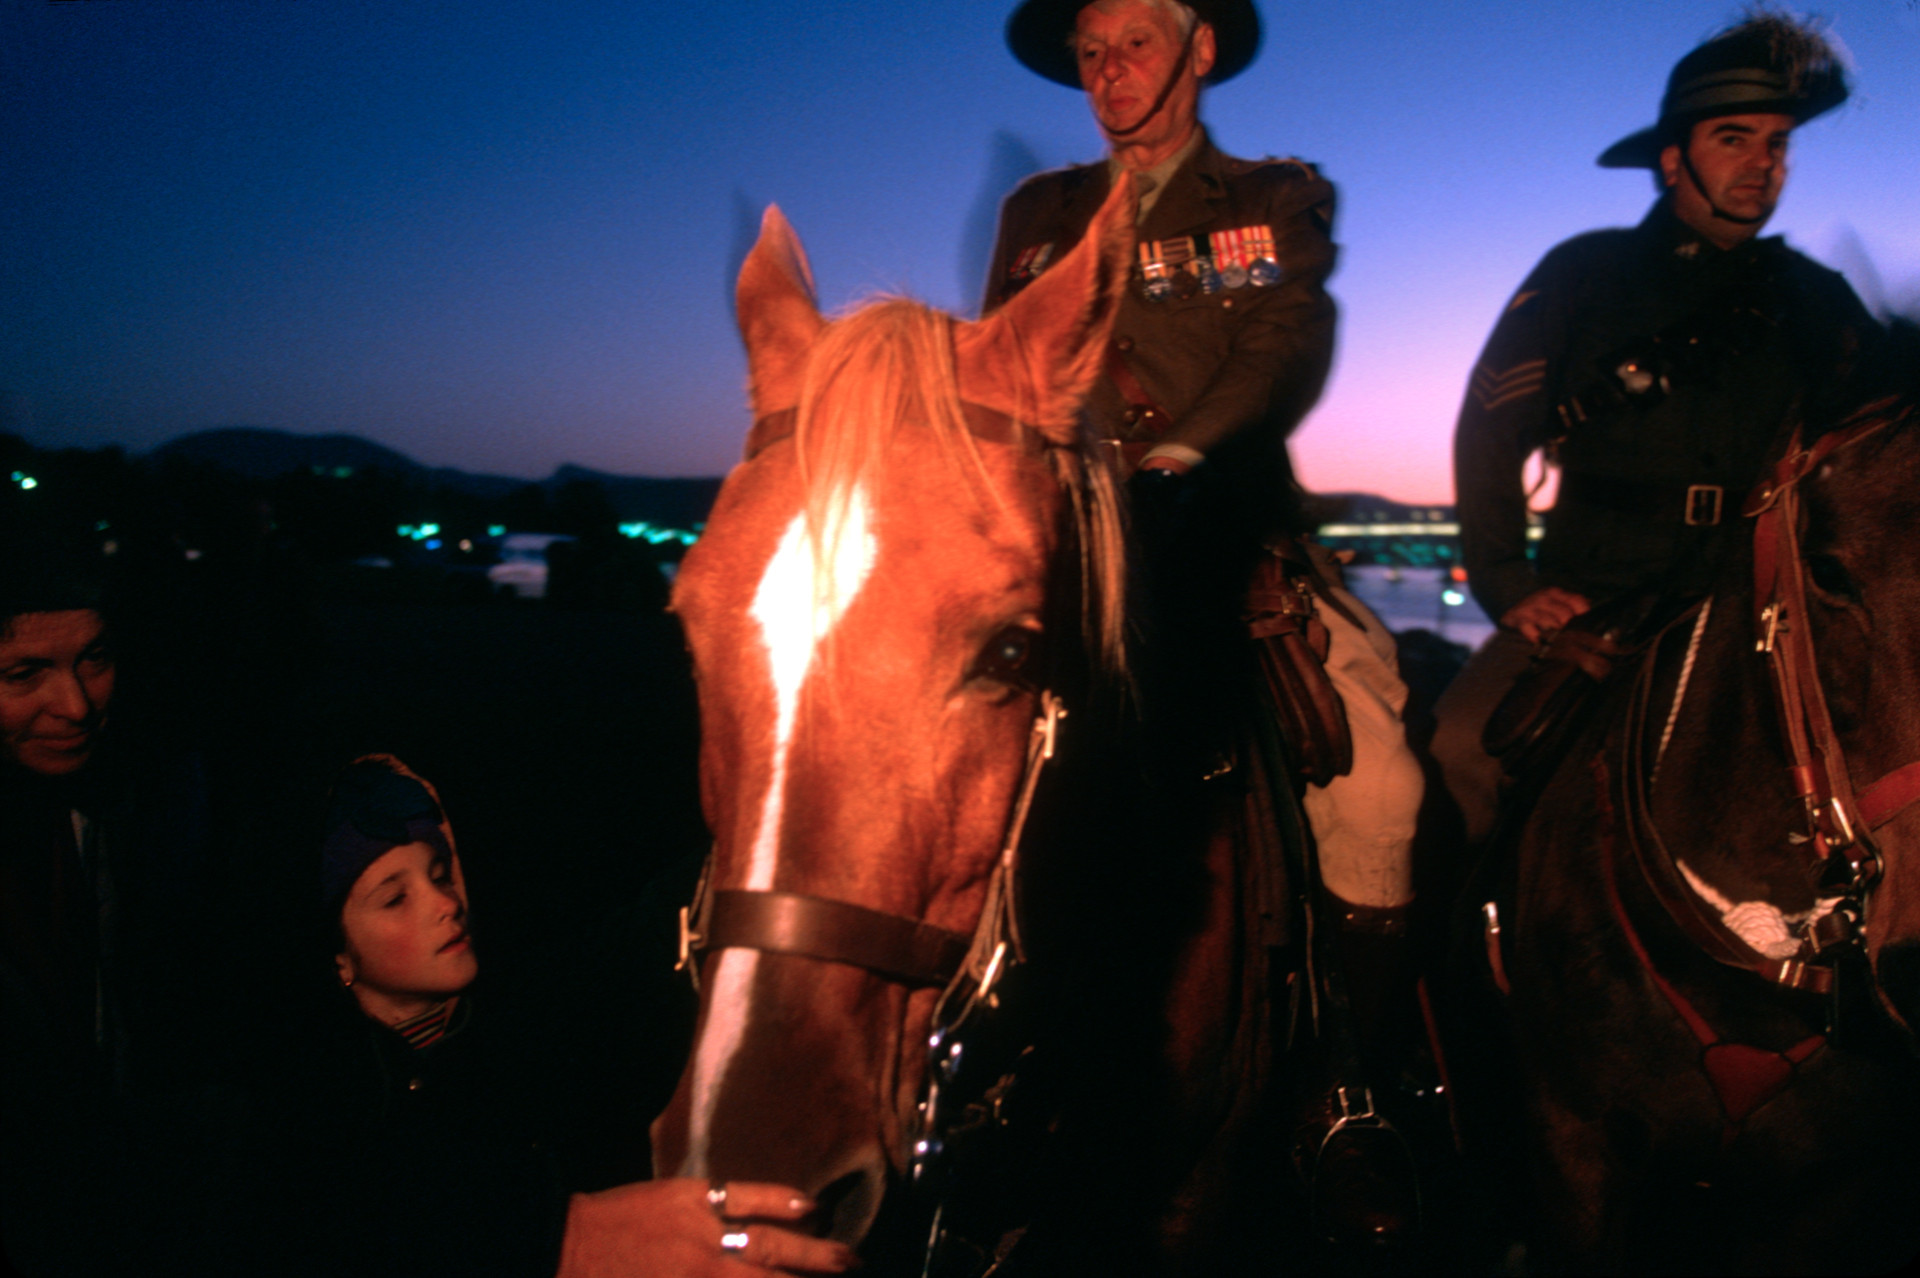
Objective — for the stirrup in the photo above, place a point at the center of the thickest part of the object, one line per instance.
(1363, 1185)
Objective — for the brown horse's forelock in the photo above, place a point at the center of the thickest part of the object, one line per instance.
(889, 366)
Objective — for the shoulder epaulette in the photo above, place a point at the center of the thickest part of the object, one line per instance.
(1304, 169)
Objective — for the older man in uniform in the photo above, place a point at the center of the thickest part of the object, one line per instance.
(1656, 366)
(1222, 345)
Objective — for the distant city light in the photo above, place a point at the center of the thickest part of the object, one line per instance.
(496, 530)
(1452, 598)
(655, 535)
(1390, 530)
(465, 544)
(433, 543)
(25, 480)
(419, 532)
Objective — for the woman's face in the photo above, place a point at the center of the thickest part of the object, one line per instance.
(405, 925)
(56, 678)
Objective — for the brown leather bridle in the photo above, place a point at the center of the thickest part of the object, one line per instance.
(1840, 853)
(1841, 850)
(894, 947)
(898, 948)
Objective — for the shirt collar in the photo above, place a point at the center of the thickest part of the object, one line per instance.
(1154, 180)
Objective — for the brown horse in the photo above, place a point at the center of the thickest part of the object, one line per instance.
(1712, 933)
(920, 539)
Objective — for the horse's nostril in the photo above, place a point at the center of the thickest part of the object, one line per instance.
(848, 1204)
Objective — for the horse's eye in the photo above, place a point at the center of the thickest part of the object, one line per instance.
(1009, 657)
(1832, 578)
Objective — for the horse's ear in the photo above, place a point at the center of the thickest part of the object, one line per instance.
(1036, 358)
(778, 316)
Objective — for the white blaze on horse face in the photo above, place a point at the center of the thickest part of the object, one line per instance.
(802, 596)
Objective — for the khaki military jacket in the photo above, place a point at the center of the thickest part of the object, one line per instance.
(1234, 369)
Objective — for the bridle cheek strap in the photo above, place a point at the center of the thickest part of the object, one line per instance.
(1839, 821)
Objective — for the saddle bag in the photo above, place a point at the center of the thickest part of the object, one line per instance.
(1290, 646)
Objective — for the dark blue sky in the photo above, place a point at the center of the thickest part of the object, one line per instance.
(496, 233)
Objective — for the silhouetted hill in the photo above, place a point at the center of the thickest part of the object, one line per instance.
(680, 503)
(259, 453)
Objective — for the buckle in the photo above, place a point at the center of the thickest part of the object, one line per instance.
(1703, 504)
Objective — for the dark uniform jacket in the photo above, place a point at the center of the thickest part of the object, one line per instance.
(1235, 369)
(1659, 369)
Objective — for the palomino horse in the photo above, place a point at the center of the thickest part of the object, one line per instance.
(1713, 933)
(919, 539)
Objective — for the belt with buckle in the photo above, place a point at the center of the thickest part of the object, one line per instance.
(1698, 505)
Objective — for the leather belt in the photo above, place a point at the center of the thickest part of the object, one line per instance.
(1697, 505)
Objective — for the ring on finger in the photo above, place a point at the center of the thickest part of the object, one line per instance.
(717, 1198)
(734, 1241)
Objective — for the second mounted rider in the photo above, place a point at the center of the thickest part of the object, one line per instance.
(1223, 344)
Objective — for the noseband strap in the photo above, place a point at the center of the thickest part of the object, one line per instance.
(890, 945)
(894, 947)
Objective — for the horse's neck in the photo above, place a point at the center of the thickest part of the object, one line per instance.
(1722, 797)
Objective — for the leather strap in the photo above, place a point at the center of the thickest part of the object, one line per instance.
(982, 423)
(1880, 801)
(889, 945)
(1818, 763)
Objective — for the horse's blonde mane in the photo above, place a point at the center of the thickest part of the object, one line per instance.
(889, 366)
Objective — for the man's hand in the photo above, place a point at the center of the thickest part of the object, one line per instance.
(1541, 614)
(667, 1229)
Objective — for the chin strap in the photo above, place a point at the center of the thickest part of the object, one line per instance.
(1166, 90)
(1686, 162)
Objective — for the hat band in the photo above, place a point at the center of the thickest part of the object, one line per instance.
(1733, 89)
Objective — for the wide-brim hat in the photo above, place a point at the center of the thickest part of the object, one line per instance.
(1771, 65)
(1039, 30)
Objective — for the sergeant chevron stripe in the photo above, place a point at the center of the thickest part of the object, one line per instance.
(1492, 389)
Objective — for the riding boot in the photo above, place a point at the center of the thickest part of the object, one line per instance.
(1365, 1189)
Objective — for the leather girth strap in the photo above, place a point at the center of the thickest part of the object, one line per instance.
(889, 945)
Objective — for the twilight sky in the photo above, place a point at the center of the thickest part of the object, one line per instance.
(498, 234)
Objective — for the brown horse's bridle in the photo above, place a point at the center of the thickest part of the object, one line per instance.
(1840, 853)
(1840, 847)
(898, 948)
(895, 947)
